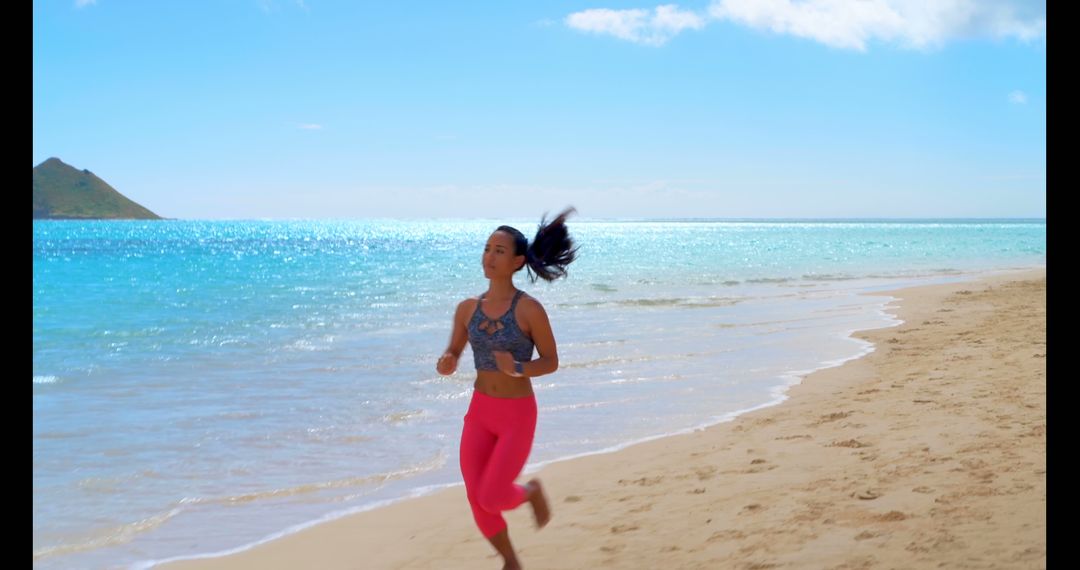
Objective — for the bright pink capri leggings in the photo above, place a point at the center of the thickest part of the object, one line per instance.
(495, 442)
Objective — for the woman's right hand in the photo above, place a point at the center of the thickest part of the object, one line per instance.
(447, 364)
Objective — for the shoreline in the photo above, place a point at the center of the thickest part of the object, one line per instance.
(384, 537)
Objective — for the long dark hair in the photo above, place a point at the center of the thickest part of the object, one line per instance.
(551, 251)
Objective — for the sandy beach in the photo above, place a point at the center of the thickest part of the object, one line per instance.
(929, 452)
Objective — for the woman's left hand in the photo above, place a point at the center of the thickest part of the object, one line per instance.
(504, 361)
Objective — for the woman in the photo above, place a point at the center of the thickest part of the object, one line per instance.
(503, 325)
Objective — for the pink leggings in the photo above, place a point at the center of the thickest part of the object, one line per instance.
(495, 442)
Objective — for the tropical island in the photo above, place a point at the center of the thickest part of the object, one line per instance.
(63, 192)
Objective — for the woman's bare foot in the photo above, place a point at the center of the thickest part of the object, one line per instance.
(539, 503)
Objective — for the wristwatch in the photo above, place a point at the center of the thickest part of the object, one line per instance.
(518, 369)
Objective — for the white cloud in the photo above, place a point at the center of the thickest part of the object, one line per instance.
(844, 24)
(916, 24)
(1018, 97)
(833, 22)
(1004, 18)
(653, 28)
(310, 127)
(84, 3)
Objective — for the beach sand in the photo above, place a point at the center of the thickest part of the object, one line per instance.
(929, 452)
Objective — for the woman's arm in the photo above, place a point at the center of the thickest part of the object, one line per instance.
(459, 335)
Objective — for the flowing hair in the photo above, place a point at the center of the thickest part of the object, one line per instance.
(551, 251)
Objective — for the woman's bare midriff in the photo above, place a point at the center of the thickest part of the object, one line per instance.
(499, 385)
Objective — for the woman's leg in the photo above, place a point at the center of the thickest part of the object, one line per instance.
(477, 444)
(501, 542)
(495, 444)
(497, 491)
(515, 431)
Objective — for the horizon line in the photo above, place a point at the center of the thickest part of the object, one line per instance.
(579, 220)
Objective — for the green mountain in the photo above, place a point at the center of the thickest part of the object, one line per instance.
(62, 192)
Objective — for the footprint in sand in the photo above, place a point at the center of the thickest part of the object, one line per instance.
(644, 481)
(867, 495)
(849, 443)
(1030, 553)
(858, 563)
(832, 417)
(572, 499)
(704, 474)
(726, 535)
(619, 529)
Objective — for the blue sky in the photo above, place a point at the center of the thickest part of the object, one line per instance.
(243, 109)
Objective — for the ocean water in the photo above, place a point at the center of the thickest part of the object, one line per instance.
(201, 386)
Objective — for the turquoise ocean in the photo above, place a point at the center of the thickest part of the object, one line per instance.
(203, 386)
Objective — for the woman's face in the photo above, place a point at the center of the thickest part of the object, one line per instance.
(499, 259)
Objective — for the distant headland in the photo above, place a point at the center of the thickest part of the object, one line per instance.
(63, 192)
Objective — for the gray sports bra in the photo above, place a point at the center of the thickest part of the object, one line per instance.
(502, 333)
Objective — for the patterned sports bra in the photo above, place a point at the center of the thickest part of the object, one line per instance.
(503, 333)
